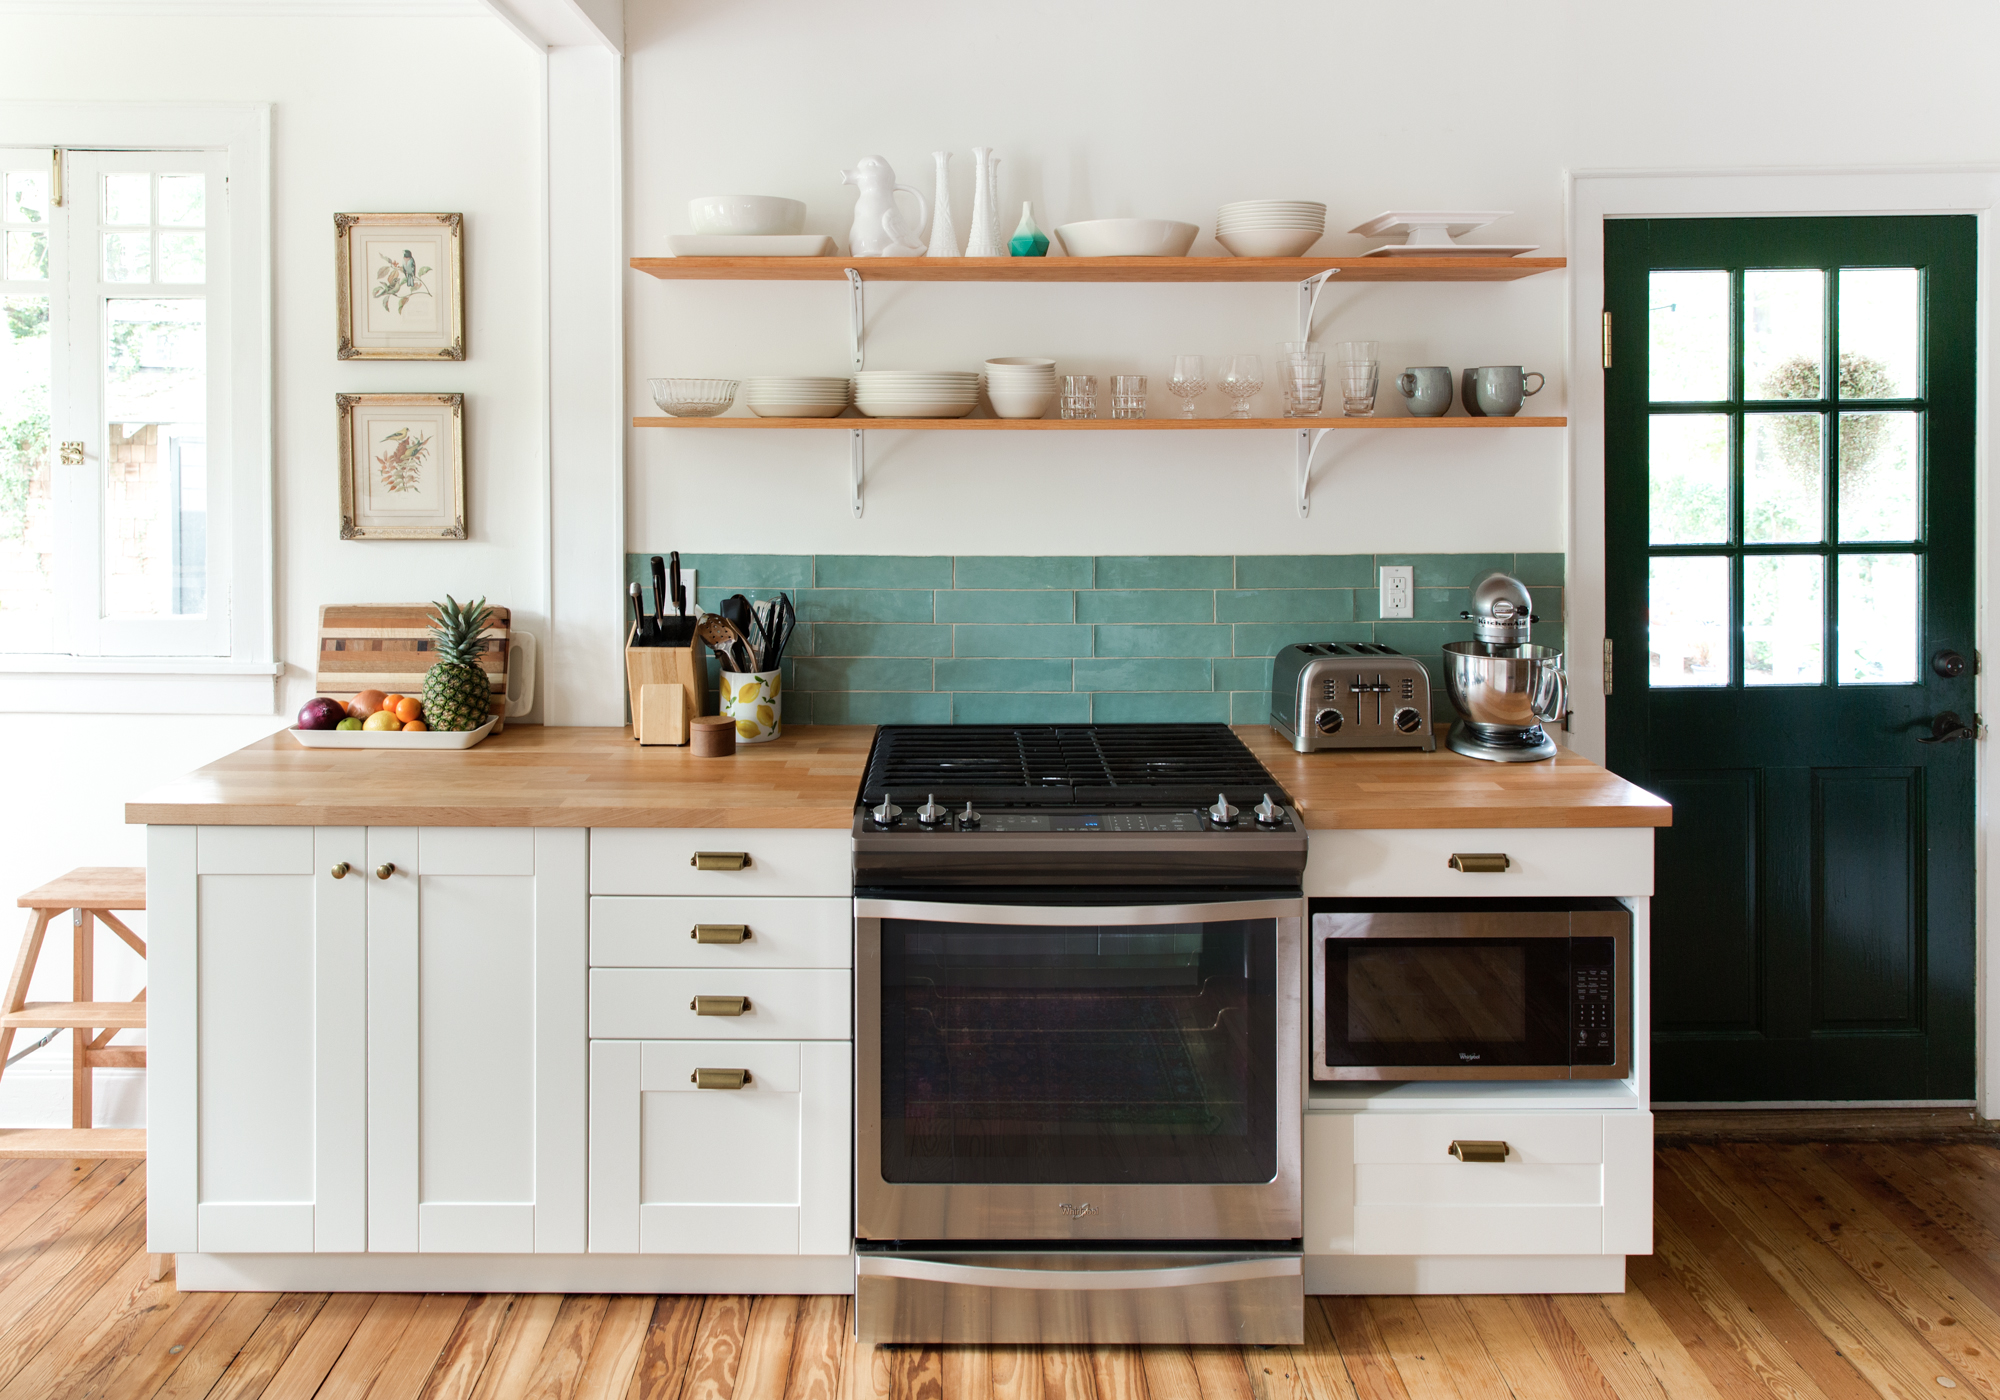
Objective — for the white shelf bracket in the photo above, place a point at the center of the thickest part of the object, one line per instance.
(857, 463)
(1309, 291)
(857, 323)
(1308, 440)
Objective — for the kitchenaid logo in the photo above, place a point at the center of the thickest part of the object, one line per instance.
(1467, 1055)
(1077, 1212)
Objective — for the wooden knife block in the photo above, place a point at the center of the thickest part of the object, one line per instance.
(685, 666)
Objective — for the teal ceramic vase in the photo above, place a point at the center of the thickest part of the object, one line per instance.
(1028, 241)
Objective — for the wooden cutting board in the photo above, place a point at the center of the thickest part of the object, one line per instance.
(387, 646)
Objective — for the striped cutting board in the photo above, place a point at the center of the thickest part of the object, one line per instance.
(387, 646)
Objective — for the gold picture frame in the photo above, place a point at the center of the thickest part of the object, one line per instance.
(402, 466)
(399, 286)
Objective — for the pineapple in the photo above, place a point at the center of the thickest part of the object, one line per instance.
(457, 694)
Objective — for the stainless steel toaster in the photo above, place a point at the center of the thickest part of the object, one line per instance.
(1350, 695)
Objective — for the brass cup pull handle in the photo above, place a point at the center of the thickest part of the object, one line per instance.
(719, 1006)
(1479, 862)
(385, 870)
(720, 860)
(1469, 1150)
(339, 872)
(720, 933)
(719, 1078)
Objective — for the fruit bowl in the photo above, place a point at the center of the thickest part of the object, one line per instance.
(392, 738)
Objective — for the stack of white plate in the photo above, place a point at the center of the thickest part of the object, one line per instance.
(1270, 228)
(893, 393)
(796, 396)
(1021, 388)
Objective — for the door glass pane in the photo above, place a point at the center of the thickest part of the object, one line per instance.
(26, 198)
(1878, 619)
(1688, 621)
(1784, 333)
(27, 255)
(128, 257)
(181, 200)
(1784, 619)
(128, 199)
(182, 257)
(156, 387)
(1878, 332)
(1687, 466)
(1783, 478)
(1688, 336)
(27, 517)
(1878, 476)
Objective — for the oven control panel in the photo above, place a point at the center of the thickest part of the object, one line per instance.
(1065, 822)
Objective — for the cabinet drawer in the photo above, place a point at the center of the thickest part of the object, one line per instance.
(641, 931)
(782, 862)
(1540, 862)
(1424, 1139)
(1412, 1197)
(1433, 1229)
(785, 1003)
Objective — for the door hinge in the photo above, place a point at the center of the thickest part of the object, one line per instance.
(56, 192)
(1607, 356)
(1607, 665)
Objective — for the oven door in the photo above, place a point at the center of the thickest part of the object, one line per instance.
(1081, 1072)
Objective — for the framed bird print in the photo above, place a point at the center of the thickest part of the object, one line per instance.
(402, 466)
(400, 284)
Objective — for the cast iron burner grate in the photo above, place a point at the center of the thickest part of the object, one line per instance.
(1093, 765)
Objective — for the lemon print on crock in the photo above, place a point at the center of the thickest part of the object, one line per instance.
(747, 691)
(746, 729)
(766, 715)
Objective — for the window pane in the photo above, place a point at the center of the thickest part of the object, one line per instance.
(1688, 622)
(1688, 336)
(128, 199)
(27, 197)
(156, 405)
(182, 257)
(1784, 619)
(1687, 473)
(1878, 333)
(1878, 619)
(181, 200)
(27, 255)
(1784, 333)
(128, 257)
(27, 516)
(1784, 472)
(1878, 476)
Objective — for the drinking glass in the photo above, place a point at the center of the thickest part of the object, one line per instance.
(1079, 396)
(1188, 383)
(1241, 377)
(1302, 372)
(1359, 369)
(1128, 396)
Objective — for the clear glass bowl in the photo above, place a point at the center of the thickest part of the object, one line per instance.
(692, 398)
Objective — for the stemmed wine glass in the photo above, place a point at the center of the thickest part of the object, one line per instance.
(1188, 382)
(1241, 377)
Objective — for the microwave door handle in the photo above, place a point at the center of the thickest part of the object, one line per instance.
(1071, 1280)
(1046, 916)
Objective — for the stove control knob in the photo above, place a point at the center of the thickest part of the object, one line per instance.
(968, 818)
(888, 814)
(1269, 813)
(1222, 814)
(930, 814)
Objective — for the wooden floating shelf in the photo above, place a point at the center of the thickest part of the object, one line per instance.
(834, 269)
(1100, 425)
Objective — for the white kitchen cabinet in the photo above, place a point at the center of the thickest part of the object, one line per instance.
(779, 1003)
(680, 1169)
(642, 931)
(782, 861)
(1541, 862)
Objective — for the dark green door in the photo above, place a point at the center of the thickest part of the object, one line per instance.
(1790, 575)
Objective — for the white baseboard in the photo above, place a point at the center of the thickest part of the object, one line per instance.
(1807, 1105)
(514, 1273)
(1465, 1273)
(35, 1093)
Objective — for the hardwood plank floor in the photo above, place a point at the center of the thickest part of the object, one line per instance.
(1786, 1267)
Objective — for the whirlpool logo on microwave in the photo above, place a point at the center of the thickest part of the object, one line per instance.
(1077, 1212)
(1468, 1054)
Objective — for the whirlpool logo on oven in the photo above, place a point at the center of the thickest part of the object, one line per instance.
(1468, 1055)
(1077, 1212)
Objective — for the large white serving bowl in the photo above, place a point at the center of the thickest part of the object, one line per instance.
(799, 384)
(761, 214)
(1273, 206)
(1128, 238)
(1269, 243)
(805, 408)
(1044, 380)
(1013, 405)
(1227, 225)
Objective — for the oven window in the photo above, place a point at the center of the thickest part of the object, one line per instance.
(1079, 1054)
(1446, 1002)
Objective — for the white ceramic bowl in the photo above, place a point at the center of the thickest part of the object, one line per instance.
(1255, 206)
(692, 398)
(1014, 405)
(805, 408)
(919, 408)
(1269, 243)
(739, 214)
(1128, 238)
(1226, 225)
(1020, 362)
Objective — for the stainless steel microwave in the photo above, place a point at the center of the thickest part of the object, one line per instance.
(1471, 989)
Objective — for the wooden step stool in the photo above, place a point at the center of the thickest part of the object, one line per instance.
(89, 893)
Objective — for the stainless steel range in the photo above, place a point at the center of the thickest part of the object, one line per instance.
(1078, 1039)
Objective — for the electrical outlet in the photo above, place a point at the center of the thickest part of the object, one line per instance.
(1399, 590)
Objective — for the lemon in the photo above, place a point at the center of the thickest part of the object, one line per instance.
(382, 719)
(746, 729)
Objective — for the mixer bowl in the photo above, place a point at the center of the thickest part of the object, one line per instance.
(1515, 686)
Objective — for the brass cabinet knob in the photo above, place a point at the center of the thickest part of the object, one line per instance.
(385, 870)
(720, 860)
(339, 872)
(1470, 1150)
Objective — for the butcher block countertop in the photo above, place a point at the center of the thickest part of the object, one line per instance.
(536, 776)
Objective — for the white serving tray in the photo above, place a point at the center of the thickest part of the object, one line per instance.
(1454, 222)
(392, 738)
(1451, 250)
(749, 245)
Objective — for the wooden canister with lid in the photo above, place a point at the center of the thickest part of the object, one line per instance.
(712, 736)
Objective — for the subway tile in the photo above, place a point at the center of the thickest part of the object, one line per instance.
(1163, 707)
(1023, 571)
(1155, 673)
(1305, 570)
(1429, 604)
(1163, 641)
(1547, 604)
(1166, 571)
(1269, 638)
(1285, 605)
(1003, 674)
(797, 707)
(880, 707)
(878, 639)
(1246, 673)
(735, 572)
(984, 707)
(1421, 638)
(1249, 707)
(1543, 569)
(1006, 605)
(1446, 570)
(863, 605)
(1146, 605)
(864, 673)
(1027, 639)
(882, 571)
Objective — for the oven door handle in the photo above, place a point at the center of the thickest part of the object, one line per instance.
(987, 1276)
(1032, 915)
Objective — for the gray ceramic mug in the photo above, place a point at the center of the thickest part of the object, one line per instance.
(1496, 391)
(1427, 390)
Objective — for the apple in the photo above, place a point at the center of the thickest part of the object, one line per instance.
(321, 713)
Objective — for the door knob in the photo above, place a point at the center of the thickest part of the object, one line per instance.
(1948, 663)
(1947, 728)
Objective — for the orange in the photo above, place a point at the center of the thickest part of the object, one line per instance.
(365, 704)
(409, 708)
(415, 726)
(391, 700)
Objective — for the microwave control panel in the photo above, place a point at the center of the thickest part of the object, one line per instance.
(1593, 1016)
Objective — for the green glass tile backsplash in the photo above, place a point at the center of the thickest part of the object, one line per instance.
(1066, 639)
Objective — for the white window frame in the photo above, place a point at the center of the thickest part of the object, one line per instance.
(244, 678)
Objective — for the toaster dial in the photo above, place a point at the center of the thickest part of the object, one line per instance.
(1327, 721)
(1408, 721)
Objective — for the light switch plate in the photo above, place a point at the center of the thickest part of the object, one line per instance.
(1399, 588)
